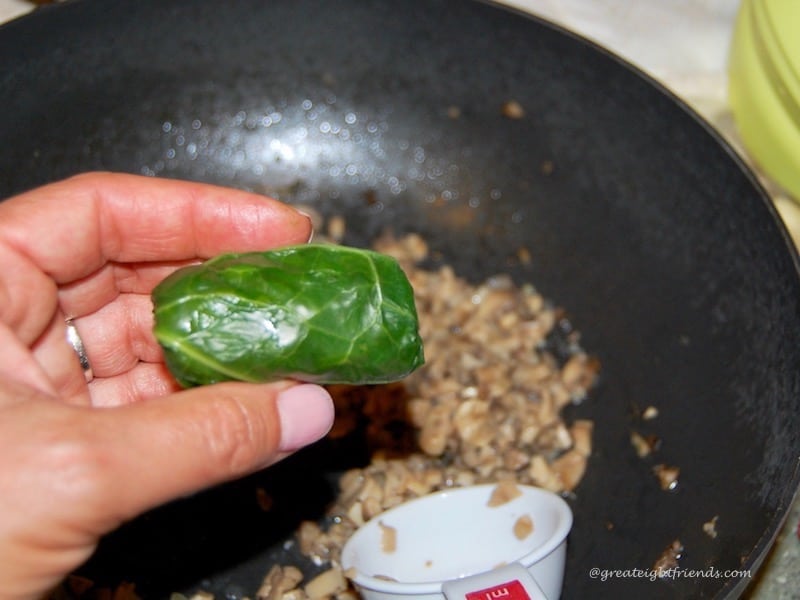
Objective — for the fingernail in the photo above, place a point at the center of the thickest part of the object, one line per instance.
(306, 415)
(313, 219)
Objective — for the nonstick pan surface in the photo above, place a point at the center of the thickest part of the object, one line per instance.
(666, 255)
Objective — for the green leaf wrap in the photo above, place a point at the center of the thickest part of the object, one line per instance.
(314, 312)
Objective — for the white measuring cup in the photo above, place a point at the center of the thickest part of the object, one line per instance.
(453, 544)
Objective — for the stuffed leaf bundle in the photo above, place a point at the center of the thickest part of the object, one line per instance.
(313, 312)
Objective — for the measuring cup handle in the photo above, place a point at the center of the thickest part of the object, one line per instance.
(509, 582)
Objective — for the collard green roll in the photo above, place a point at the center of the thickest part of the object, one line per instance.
(313, 312)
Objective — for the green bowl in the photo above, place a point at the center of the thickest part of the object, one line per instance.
(764, 86)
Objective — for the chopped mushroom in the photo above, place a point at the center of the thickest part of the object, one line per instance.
(667, 476)
(504, 492)
(523, 527)
(581, 432)
(644, 445)
(278, 581)
(473, 423)
(649, 413)
(336, 228)
(668, 559)
(326, 584)
(710, 527)
(570, 468)
(513, 110)
(388, 538)
(485, 408)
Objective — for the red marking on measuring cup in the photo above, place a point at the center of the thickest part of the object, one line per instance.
(511, 590)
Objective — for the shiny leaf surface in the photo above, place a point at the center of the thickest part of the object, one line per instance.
(314, 312)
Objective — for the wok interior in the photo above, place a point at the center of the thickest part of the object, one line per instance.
(664, 253)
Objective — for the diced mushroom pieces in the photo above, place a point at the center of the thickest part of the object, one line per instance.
(513, 110)
(388, 538)
(503, 493)
(485, 408)
(523, 527)
(278, 581)
(326, 584)
(581, 431)
(473, 424)
(710, 527)
(649, 413)
(570, 468)
(667, 476)
(640, 444)
(516, 459)
(372, 507)
(543, 475)
(307, 535)
(336, 228)
(580, 372)
(555, 437)
(356, 513)
(436, 431)
(418, 409)
(668, 559)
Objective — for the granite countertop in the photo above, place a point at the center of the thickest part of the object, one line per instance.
(684, 45)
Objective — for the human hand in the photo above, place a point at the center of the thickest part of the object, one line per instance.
(79, 458)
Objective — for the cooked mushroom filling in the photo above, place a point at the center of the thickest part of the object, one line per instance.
(485, 408)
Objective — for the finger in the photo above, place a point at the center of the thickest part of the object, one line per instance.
(65, 379)
(104, 467)
(104, 285)
(131, 381)
(146, 381)
(103, 217)
(59, 359)
(205, 436)
(125, 359)
(119, 335)
(28, 298)
(19, 366)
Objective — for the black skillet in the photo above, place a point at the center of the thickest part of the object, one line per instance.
(639, 220)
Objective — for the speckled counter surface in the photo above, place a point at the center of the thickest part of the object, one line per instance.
(779, 579)
(684, 45)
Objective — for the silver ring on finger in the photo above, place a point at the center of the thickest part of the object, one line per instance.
(77, 344)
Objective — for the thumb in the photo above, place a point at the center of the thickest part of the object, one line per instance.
(174, 446)
(72, 473)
